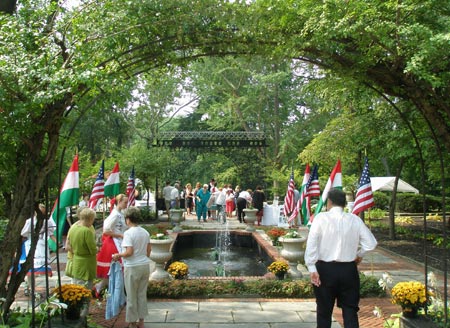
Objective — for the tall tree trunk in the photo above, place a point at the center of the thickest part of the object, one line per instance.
(34, 159)
(393, 202)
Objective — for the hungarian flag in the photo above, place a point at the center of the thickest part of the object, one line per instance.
(335, 181)
(98, 188)
(69, 196)
(289, 198)
(112, 184)
(302, 198)
(131, 187)
(364, 195)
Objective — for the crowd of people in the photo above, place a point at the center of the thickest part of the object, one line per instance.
(210, 202)
(123, 242)
(124, 254)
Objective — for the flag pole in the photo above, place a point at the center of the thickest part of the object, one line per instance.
(58, 266)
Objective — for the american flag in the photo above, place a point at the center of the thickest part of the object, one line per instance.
(313, 183)
(364, 195)
(131, 187)
(289, 198)
(312, 189)
(98, 188)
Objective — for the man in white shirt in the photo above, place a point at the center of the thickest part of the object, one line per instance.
(213, 190)
(175, 196)
(167, 191)
(337, 242)
(221, 197)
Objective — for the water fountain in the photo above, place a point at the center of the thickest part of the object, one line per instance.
(222, 249)
(221, 253)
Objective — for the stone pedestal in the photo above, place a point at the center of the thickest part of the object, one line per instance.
(160, 254)
(293, 251)
(250, 218)
(176, 216)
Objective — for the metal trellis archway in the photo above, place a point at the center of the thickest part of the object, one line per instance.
(211, 139)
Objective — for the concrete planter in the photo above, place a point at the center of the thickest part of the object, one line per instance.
(250, 218)
(293, 250)
(160, 254)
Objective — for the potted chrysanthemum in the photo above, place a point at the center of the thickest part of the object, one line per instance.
(75, 296)
(178, 270)
(410, 295)
(274, 234)
(279, 269)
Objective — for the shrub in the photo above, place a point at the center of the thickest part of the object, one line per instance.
(147, 214)
(369, 286)
(269, 288)
(413, 203)
(381, 200)
(377, 213)
(155, 229)
(407, 202)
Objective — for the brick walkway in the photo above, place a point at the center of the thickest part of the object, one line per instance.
(367, 319)
(367, 305)
(402, 268)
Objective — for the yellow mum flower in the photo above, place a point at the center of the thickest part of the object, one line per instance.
(410, 294)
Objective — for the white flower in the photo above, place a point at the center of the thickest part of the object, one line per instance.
(388, 278)
(382, 283)
(431, 278)
(377, 312)
(159, 235)
(385, 280)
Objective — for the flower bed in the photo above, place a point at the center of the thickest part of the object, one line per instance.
(264, 287)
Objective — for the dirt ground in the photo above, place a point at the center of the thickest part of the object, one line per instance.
(411, 246)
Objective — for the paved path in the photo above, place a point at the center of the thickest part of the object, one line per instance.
(249, 313)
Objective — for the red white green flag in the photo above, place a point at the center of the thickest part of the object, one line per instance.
(112, 184)
(69, 196)
(304, 198)
(335, 181)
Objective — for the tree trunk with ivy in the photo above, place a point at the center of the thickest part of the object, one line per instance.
(35, 159)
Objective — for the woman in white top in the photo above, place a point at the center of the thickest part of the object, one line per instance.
(135, 254)
(114, 227)
(40, 266)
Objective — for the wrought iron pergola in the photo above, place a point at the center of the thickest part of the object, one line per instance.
(211, 139)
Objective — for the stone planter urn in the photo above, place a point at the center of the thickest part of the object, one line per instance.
(176, 216)
(250, 218)
(160, 254)
(293, 250)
